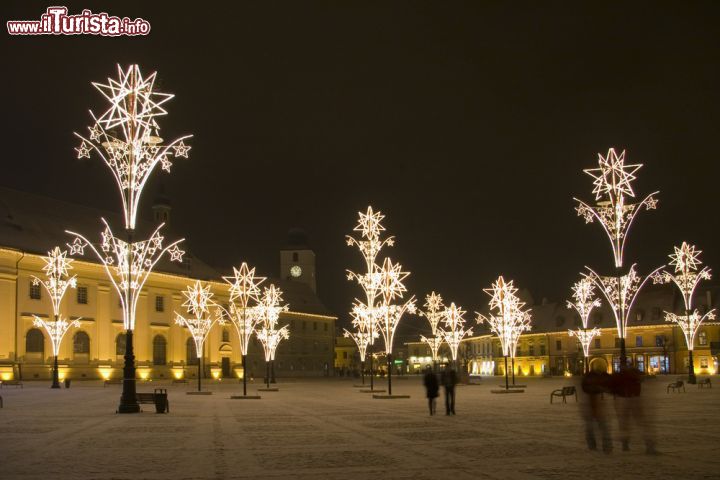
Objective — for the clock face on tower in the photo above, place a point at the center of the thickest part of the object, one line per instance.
(295, 271)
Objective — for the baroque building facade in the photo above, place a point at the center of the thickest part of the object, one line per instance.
(31, 225)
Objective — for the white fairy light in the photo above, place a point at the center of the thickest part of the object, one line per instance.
(382, 285)
(268, 312)
(585, 302)
(687, 277)
(126, 136)
(56, 330)
(57, 281)
(620, 293)
(434, 309)
(612, 185)
(57, 277)
(244, 296)
(388, 314)
(198, 302)
(127, 265)
(434, 343)
(509, 320)
(454, 330)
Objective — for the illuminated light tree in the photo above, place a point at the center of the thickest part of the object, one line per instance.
(584, 302)
(362, 337)
(389, 314)
(242, 310)
(507, 320)
(613, 186)
(364, 313)
(57, 281)
(126, 138)
(198, 301)
(454, 330)
(434, 308)
(268, 312)
(687, 277)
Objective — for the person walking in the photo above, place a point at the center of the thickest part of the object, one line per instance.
(431, 388)
(449, 380)
(630, 408)
(592, 407)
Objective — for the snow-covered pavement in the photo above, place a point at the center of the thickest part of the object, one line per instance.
(325, 428)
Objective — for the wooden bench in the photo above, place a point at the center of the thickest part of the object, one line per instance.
(182, 380)
(563, 392)
(14, 383)
(147, 397)
(676, 386)
(705, 382)
(113, 381)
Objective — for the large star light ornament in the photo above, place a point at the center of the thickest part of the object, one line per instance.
(434, 309)
(126, 137)
(612, 182)
(57, 277)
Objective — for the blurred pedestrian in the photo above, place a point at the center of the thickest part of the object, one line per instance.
(595, 384)
(449, 380)
(431, 388)
(630, 408)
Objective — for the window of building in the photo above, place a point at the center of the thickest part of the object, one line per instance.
(702, 338)
(597, 343)
(303, 327)
(558, 344)
(34, 341)
(35, 292)
(325, 327)
(159, 303)
(531, 350)
(639, 315)
(638, 341)
(82, 295)
(314, 325)
(656, 313)
(617, 342)
(120, 341)
(559, 320)
(81, 343)
(225, 335)
(190, 353)
(659, 340)
(159, 350)
(703, 362)
(344, 354)
(542, 349)
(295, 256)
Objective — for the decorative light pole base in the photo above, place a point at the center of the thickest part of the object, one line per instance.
(517, 385)
(516, 390)
(199, 393)
(130, 408)
(390, 397)
(372, 391)
(245, 397)
(271, 389)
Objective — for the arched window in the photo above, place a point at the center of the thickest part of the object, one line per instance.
(191, 354)
(159, 350)
(34, 341)
(81, 343)
(120, 344)
(225, 335)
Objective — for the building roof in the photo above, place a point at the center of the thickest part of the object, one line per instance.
(35, 224)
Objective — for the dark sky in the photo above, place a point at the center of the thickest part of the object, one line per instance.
(467, 124)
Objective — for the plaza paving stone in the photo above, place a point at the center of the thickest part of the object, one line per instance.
(324, 428)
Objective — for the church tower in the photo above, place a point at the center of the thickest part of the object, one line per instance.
(161, 208)
(297, 260)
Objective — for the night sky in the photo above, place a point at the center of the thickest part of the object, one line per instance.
(467, 124)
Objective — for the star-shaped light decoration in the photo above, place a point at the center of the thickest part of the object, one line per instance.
(434, 343)
(83, 151)
(613, 182)
(585, 302)
(268, 312)
(56, 330)
(613, 177)
(127, 266)
(198, 299)
(454, 330)
(434, 308)
(507, 319)
(126, 137)
(57, 277)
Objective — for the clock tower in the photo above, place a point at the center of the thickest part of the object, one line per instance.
(297, 260)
